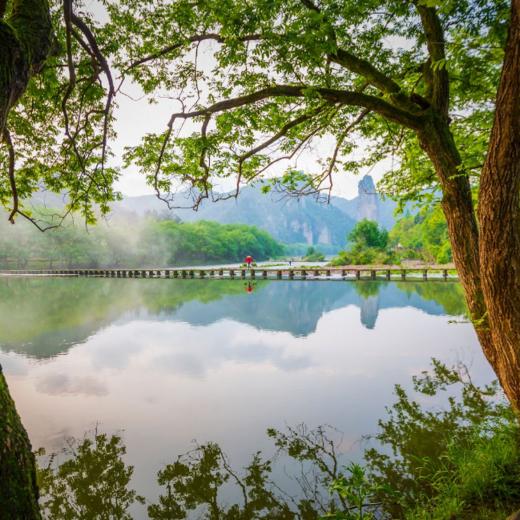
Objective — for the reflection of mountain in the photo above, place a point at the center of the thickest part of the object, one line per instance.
(45, 317)
(297, 307)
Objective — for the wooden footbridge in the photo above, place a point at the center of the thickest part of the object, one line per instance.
(286, 273)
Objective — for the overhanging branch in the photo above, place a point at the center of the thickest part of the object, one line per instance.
(333, 96)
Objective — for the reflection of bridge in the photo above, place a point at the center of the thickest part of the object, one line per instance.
(300, 273)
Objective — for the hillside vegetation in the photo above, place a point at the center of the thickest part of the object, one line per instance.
(142, 242)
(422, 237)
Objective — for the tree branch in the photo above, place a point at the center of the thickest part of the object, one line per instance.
(438, 73)
(10, 172)
(365, 69)
(333, 96)
(103, 63)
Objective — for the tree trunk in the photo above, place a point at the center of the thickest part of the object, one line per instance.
(499, 218)
(457, 204)
(18, 489)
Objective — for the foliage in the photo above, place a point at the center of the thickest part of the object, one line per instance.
(368, 245)
(93, 483)
(303, 70)
(133, 242)
(282, 68)
(313, 255)
(423, 236)
(206, 242)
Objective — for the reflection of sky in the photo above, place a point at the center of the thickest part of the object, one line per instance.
(167, 382)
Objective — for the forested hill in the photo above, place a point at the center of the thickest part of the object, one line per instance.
(289, 220)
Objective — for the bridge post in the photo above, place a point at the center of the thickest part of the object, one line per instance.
(304, 273)
(279, 274)
(221, 272)
(232, 273)
(358, 274)
(425, 274)
(242, 273)
(403, 274)
(202, 273)
(253, 274)
(264, 273)
(291, 274)
(445, 274)
(388, 274)
(373, 274)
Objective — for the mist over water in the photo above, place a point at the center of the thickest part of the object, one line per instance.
(169, 361)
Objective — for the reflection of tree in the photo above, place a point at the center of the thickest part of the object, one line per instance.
(195, 480)
(33, 310)
(34, 319)
(447, 294)
(366, 288)
(92, 484)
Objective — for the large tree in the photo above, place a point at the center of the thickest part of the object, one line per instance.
(434, 83)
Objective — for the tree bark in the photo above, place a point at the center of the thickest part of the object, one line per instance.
(18, 489)
(499, 218)
(25, 37)
(457, 204)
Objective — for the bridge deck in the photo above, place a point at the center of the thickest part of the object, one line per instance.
(300, 273)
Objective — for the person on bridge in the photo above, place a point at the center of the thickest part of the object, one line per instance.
(248, 261)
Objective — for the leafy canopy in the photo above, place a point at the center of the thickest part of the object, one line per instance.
(259, 82)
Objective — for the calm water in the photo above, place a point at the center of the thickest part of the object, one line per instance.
(170, 361)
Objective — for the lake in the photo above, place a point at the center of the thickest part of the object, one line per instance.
(167, 362)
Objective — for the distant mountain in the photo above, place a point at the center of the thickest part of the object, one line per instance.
(368, 204)
(290, 220)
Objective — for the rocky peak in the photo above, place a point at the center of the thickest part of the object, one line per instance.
(366, 186)
(368, 200)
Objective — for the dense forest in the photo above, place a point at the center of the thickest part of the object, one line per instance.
(125, 243)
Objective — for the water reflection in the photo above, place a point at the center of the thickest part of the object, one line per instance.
(44, 317)
(169, 361)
